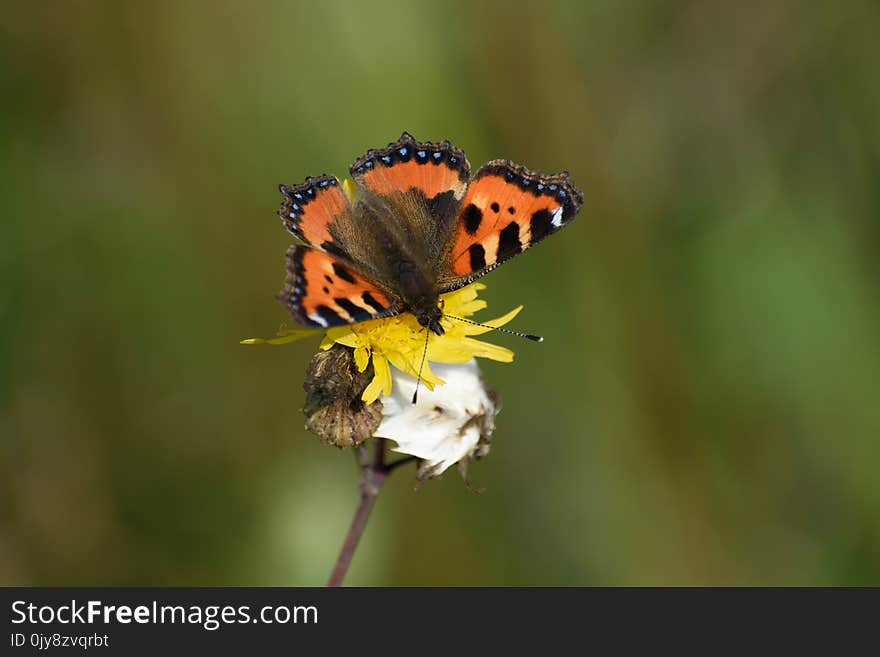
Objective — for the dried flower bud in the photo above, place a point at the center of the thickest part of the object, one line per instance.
(334, 410)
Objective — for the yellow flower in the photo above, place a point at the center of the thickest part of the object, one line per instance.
(400, 341)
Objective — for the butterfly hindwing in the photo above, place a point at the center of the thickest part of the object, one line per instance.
(322, 291)
(506, 209)
(308, 209)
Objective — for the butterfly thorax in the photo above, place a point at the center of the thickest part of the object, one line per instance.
(419, 294)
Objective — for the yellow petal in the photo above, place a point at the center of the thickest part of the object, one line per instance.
(384, 374)
(361, 358)
(397, 359)
(411, 366)
(381, 382)
(460, 352)
(372, 391)
(429, 378)
(285, 336)
(349, 189)
(471, 329)
(348, 339)
(471, 307)
(488, 350)
(467, 293)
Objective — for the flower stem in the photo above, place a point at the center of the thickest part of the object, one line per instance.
(372, 477)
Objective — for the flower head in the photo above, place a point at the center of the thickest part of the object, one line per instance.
(400, 341)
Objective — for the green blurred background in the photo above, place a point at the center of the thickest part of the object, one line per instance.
(704, 410)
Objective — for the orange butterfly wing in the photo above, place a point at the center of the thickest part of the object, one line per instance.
(322, 291)
(407, 164)
(506, 209)
(307, 209)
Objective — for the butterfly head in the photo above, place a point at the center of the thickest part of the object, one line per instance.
(429, 316)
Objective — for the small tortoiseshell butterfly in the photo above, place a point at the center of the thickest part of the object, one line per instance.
(421, 227)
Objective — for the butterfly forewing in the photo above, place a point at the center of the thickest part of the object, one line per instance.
(407, 164)
(506, 209)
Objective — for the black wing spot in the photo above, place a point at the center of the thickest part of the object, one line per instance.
(342, 272)
(329, 315)
(370, 300)
(473, 217)
(508, 241)
(478, 257)
(541, 224)
(328, 279)
(356, 313)
(495, 207)
(511, 210)
(326, 289)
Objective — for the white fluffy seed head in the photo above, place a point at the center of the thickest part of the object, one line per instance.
(446, 425)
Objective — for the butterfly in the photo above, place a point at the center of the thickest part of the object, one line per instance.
(420, 226)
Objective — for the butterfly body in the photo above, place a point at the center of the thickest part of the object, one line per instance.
(412, 276)
(420, 227)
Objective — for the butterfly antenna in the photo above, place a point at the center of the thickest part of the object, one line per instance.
(421, 365)
(528, 336)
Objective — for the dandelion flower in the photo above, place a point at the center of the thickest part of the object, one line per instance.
(400, 341)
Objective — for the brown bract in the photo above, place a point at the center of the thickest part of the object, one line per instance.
(334, 410)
